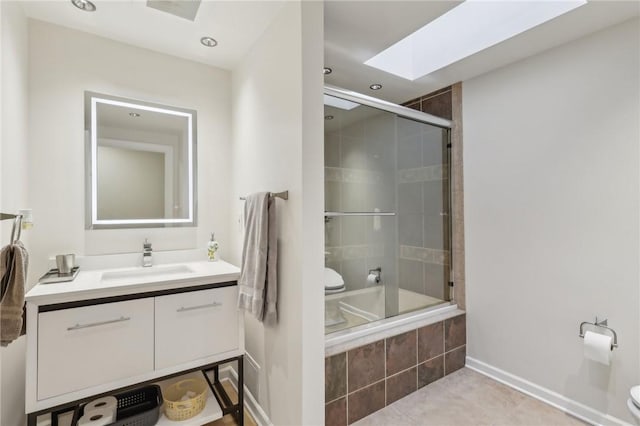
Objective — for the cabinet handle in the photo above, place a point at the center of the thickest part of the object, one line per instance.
(193, 308)
(96, 324)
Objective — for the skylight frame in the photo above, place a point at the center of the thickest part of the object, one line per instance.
(469, 28)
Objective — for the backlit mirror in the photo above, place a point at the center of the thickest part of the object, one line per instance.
(140, 163)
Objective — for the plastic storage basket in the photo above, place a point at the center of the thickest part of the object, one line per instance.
(175, 408)
(138, 407)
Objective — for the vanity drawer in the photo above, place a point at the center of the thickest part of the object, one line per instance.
(93, 345)
(195, 325)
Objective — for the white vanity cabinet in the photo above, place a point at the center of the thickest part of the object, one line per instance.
(87, 346)
(94, 336)
(182, 320)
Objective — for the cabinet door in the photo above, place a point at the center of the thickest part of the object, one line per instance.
(195, 325)
(93, 345)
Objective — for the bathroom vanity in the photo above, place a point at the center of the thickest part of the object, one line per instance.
(112, 329)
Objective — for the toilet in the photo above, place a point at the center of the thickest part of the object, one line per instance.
(333, 282)
(633, 403)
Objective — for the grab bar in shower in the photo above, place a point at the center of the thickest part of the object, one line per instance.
(335, 214)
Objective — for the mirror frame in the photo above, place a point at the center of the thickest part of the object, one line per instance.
(92, 99)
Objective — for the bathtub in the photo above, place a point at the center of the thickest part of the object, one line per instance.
(357, 317)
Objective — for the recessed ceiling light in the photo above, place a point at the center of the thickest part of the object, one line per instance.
(208, 41)
(85, 5)
(470, 27)
(326, 70)
(328, 117)
(375, 86)
(134, 114)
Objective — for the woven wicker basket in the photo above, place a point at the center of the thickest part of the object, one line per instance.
(175, 409)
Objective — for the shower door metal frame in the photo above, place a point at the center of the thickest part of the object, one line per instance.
(422, 117)
(389, 107)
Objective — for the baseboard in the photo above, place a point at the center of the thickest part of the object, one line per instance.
(547, 396)
(250, 403)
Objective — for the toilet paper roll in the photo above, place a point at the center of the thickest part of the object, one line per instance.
(97, 417)
(105, 403)
(597, 347)
(372, 279)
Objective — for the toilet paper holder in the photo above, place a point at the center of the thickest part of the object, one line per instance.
(600, 324)
(377, 272)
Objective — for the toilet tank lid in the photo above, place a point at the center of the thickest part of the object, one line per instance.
(332, 279)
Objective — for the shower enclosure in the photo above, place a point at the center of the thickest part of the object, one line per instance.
(387, 204)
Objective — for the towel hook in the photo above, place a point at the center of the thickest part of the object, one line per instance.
(17, 225)
(17, 228)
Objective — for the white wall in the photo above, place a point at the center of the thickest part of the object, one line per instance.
(63, 64)
(551, 215)
(13, 183)
(1, 139)
(277, 145)
(142, 173)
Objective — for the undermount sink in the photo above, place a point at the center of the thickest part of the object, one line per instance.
(150, 272)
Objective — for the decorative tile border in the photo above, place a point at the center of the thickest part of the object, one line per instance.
(424, 255)
(340, 174)
(423, 174)
(364, 251)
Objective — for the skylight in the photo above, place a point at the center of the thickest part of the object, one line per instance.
(339, 103)
(466, 29)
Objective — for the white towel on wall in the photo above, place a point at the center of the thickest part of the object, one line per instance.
(258, 290)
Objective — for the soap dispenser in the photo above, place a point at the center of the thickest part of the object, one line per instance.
(212, 248)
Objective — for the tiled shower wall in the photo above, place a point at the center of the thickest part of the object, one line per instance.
(423, 208)
(447, 103)
(360, 177)
(387, 163)
(365, 379)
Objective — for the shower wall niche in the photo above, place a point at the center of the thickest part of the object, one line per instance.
(387, 207)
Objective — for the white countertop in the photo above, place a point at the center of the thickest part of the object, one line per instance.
(89, 284)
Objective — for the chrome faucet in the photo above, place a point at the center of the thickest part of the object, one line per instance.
(147, 251)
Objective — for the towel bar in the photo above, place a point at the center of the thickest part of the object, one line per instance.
(284, 195)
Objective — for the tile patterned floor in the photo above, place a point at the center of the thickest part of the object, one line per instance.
(468, 398)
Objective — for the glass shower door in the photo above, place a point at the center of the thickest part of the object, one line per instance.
(423, 214)
(360, 221)
(386, 214)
